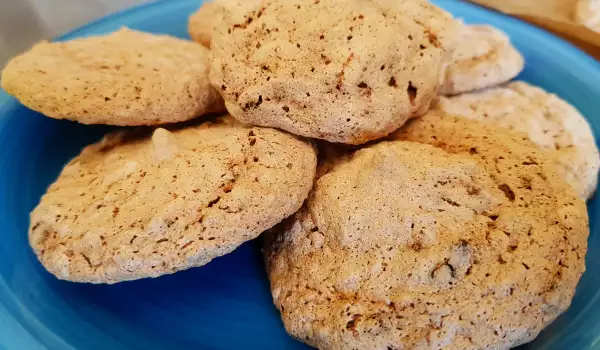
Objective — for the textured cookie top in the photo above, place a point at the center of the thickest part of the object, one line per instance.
(347, 72)
(201, 24)
(550, 122)
(587, 12)
(134, 206)
(124, 78)
(458, 237)
(483, 57)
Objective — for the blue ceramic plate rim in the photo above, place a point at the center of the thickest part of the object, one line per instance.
(10, 327)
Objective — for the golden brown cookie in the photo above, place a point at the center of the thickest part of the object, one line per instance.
(124, 78)
(135, 206)
(483, 57)
(346, 72)
(550, 122)
(456, 235)
(201, 23)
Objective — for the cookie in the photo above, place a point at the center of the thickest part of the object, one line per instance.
(201, 23)
(455, 235)
(550, 122)
(124, 78)
(587, 12)
(135, 206)
(338, 71)
(483, 57)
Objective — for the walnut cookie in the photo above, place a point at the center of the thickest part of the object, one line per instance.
(135, 206)
(123, 78)
(456, 235)
(338, 71)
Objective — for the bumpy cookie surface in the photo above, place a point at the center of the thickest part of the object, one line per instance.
(135, 206)
(458, 237)
(550, 122)
(124, 78)
(201, 24)
(483, 57)
(347, 72)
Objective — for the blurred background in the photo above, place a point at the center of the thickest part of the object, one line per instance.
(24, 22)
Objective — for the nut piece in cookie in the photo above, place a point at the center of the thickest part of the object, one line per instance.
(342, 71)
(137, 205)
(124, 78)
(547, 120)
(483, 57)
(453, 226)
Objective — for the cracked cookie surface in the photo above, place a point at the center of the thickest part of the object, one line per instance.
(454, 235)
(338, 71)
(137, 205)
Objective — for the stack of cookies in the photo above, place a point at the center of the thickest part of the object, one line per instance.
(410, 194)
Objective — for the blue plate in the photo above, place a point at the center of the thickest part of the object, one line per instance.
(226, 304)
